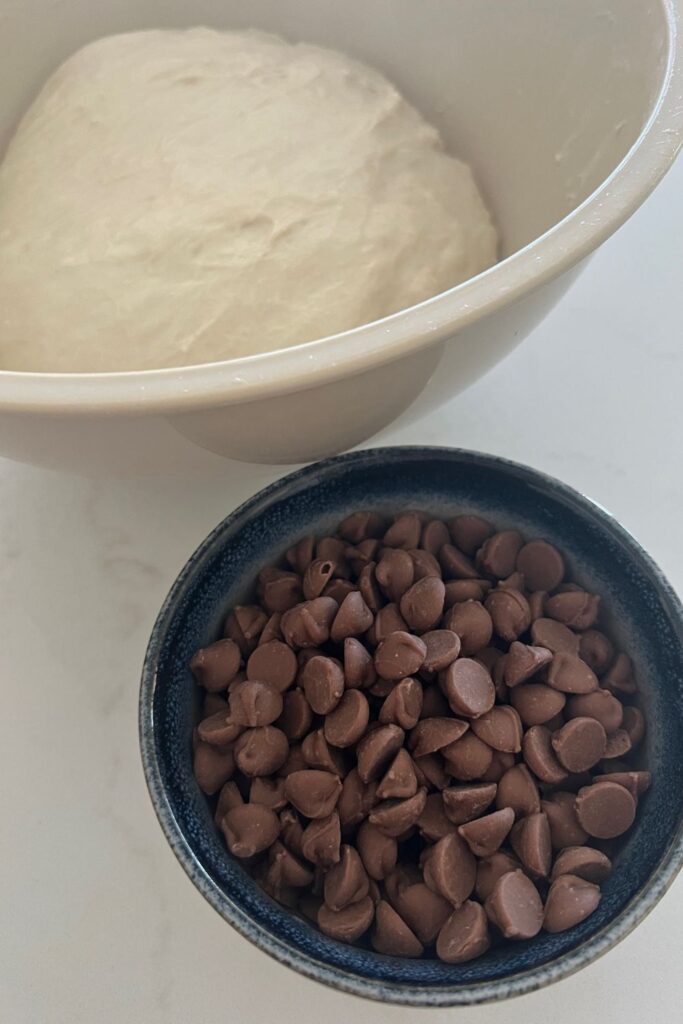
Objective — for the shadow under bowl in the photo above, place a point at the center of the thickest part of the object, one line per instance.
(644, 613)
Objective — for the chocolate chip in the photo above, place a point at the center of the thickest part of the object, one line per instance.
(228, 798)
(465, 590)
(279, 590)
(464, 803)
(455, 564)
(391, 935)
(450, 869)
(424, 911)
(317, 576)
(433, 823)
(469, 532)
(635, 782)
(367, 584)
(377, 749)
(254, 703)
(388, 620)
(443, 647)
(537, 601)
(400, 655)
(570, 901)
(517, 789)
(296, 718)
(542, 565)
(490, 869)
(515, 907)
(485, 835)
(319, 754)
(500, 762)
(579, 744)
(605, 809)
(584, 862)
(349, 924)
(469, 688)
(308, 624)
(359, 667)
(553, 635)
(565, 828)
(244, 625)
(286, 870)
(403, 704)
(347, 881)
(539, 755)
(300, 555)
(404, 532)
(295, 761)
(323, 683)
(219, 729)
(634, 724)
(249, 829)
(212, 766)
(356, 799)
(394, 817)
(361, 555)
(332, 549)
(596, 650)
(468, 758)
(574, 608)
(377, 850)
(261, 751)
(291, 830)
(571, 675)
(321, 840)
(424, 565)
(399, 780)
(500, 728)
(619, 678)
(431, 734)
(360, 525)
(498, 555)
(269, 792)
(472, 623)
(618, 744)
(215, 666)
(422, 604)
(345, 725)
(395, 573)
(530, 839)
(313, 792)
(464, 936)
(600, 704)
(434, 535)
(434, 704)
(536, 703)
(524, 661)
(275, 663)
(509, 611)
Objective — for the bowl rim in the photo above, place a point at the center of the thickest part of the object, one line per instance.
(469, 993)
(340, 355)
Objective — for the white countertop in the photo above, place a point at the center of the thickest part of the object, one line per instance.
(98, 923)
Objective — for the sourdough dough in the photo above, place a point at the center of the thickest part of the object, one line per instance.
(180, 197)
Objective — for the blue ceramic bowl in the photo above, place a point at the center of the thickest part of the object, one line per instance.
(647, 618)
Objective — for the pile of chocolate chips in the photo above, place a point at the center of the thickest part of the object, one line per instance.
(417, 733)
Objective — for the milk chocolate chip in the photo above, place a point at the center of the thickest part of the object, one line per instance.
(214, 667)
(313, 792)
(515, 907)
(472, 623)
(465, 935)
(570, 901)
(400, 655)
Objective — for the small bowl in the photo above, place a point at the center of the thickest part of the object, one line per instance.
(647, 619)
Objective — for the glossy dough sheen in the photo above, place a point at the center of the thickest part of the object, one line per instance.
(165, 183)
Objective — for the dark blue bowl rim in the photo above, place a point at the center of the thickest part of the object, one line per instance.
(461, 995)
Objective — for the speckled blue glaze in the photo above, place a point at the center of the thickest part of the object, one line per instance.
(646, 615)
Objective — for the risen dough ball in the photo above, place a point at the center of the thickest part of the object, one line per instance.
(179, 197)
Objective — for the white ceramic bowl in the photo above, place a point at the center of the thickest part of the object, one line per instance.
(569, 111)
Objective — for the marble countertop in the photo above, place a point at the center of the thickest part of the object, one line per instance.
(98, 921)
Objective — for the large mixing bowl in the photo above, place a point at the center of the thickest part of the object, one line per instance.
(569, 111)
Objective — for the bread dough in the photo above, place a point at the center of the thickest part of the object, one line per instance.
(181, 197)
